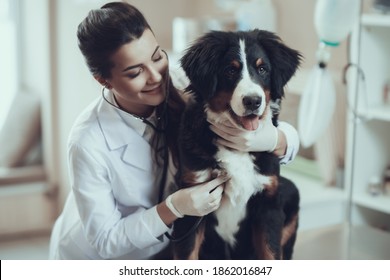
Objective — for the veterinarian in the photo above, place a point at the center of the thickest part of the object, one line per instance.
(120, 146)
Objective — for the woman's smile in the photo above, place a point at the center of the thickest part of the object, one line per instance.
(154, 90)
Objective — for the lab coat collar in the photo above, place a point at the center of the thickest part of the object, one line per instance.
(118, 127)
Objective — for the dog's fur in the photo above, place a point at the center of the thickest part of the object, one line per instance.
(238, 76)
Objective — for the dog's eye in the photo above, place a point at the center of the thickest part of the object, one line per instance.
(262, 70)
(231, 71)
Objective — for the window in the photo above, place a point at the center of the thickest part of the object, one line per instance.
(8, 55)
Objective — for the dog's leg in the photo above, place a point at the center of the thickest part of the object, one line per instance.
(189, 247)
(289, 234)
(267, 235)
(199, 238)
(262, 249)
(267, 230)
(290, 200)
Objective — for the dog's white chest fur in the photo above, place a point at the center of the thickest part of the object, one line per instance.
(244, 182)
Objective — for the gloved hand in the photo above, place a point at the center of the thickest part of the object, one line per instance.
(199, 200)
(263, 139)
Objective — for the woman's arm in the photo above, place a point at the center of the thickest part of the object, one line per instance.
(111, 232)
(288, 144)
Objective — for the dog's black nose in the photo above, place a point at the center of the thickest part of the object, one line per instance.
(251, 102)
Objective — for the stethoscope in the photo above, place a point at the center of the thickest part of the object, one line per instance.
(142, 119)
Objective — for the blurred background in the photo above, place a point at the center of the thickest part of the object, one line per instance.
(343, 176)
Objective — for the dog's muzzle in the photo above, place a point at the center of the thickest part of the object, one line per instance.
(250, 118)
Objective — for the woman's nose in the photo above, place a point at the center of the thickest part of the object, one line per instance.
(154, 75)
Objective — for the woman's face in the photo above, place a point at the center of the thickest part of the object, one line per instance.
(138, 76)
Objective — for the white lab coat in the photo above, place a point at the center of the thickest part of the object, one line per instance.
(110, 212)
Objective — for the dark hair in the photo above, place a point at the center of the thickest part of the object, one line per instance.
(101, 34)
(105, 30)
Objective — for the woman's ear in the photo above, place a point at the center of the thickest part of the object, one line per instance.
(103, 82)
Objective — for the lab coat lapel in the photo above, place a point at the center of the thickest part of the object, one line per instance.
(138, 153)
(118, 134)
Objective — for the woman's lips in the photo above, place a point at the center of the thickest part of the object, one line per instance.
(155, 89)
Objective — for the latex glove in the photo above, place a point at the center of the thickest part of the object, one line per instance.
(199, 200)
(263, 139)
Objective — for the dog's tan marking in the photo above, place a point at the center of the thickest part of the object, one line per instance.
(267, 95)
(262, 249)
(236, 64)
(271, 188)
(220, 102)
(188, 179)
(259, 62)
(267, 253)
(289, 230)
(192, 178)
(199, 238)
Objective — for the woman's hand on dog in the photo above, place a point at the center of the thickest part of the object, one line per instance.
(201, 199)
(264, 139)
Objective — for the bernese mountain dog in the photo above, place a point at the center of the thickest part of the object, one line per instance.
(238, 76)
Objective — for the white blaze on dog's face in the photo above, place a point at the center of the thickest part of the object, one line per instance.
(248, 101)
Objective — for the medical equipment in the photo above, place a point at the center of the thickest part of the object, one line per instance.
(334, 20)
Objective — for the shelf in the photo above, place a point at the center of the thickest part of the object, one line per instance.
(367, 143)
(379, 203)
(380, 112)
(376, 20)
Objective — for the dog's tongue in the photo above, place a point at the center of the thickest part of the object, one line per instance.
(250, 122)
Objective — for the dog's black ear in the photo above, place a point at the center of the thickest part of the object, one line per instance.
(284, 60)
(200, 63)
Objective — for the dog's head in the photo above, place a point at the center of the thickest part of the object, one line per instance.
(239, 73)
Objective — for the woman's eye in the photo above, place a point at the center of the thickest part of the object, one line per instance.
(158, 58)
(135, 74)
